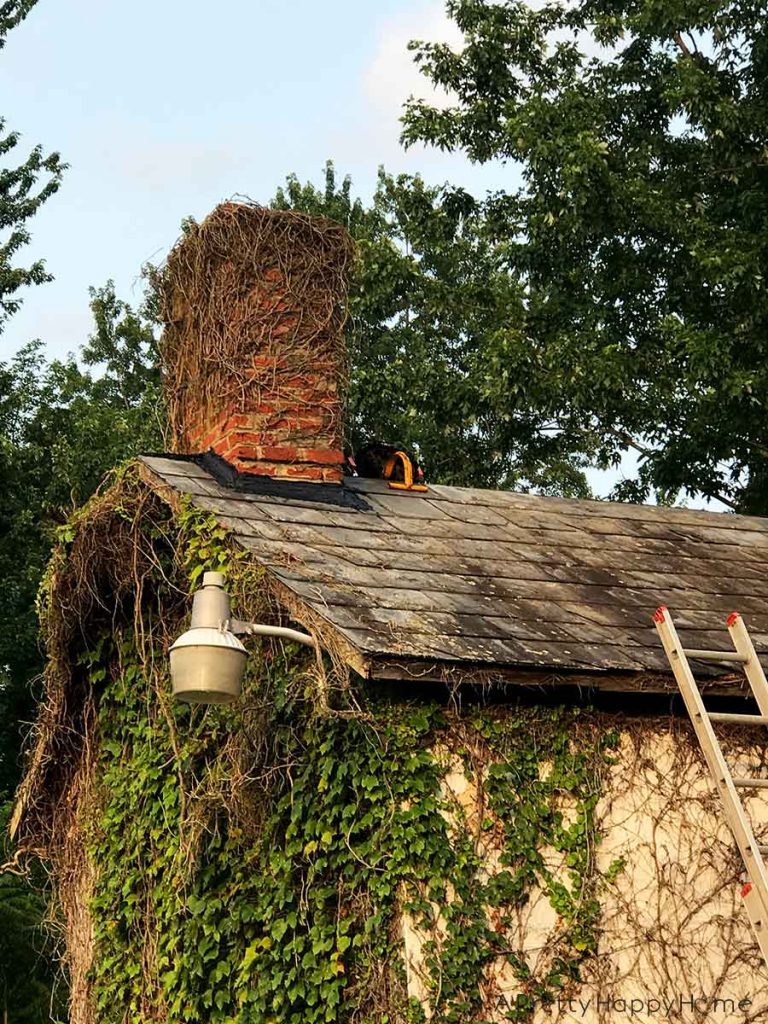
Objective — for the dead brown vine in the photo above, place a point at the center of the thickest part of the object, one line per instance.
(673, 921)
(251, 282)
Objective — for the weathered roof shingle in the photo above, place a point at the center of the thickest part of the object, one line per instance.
(419, 584)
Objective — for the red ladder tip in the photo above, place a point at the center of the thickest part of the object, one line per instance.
(732, 619)
(658, 615)
(746, 890)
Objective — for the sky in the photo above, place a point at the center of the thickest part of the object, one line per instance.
(163, 109)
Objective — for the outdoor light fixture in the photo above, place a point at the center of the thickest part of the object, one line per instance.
(208, 661)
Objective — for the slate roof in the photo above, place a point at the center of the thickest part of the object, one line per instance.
(463, 581)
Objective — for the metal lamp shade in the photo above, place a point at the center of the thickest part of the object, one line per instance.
(207, 666)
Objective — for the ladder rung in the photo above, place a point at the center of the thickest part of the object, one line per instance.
(751, 783)
(723, 716)
(715, 656)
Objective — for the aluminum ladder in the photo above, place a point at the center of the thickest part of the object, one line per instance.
(755, 892)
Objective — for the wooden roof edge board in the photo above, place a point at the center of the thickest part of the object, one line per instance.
(434, 671)
(508, 652)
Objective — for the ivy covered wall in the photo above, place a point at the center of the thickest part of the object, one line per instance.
(226, 896)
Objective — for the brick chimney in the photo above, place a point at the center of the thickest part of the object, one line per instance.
(254, 303)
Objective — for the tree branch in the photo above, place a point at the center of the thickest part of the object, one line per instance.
(678, 37)
(631, 443)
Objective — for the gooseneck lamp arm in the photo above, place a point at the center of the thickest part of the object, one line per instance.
(208, 661)
(240, 628)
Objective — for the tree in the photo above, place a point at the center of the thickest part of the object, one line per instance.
(429, 295)
(61, 429)
(26, 978)
(638, 232)
(29, 993)
(23, 190)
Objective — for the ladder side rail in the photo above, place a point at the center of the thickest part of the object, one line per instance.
(756, 917)
(753, 670)
(734, 809)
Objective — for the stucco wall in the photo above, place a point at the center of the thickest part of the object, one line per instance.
(675, 942)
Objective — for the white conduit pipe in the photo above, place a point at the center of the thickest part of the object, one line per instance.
(255, 629)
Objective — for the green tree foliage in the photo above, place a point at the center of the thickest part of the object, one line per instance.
(28, 992)
(25, 976)
(62, 427)
(638, 232)
(23, 189)
(432, 302)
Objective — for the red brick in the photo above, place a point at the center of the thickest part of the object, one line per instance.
(272, 453)
(255, 468)
(210, 440)
(240, 451)
(305, 472)
(269, 361)
(238, 420)
(328, 456)
(313, 423)
(284, 471)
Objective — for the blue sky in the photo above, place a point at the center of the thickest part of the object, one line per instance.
(164, 108)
